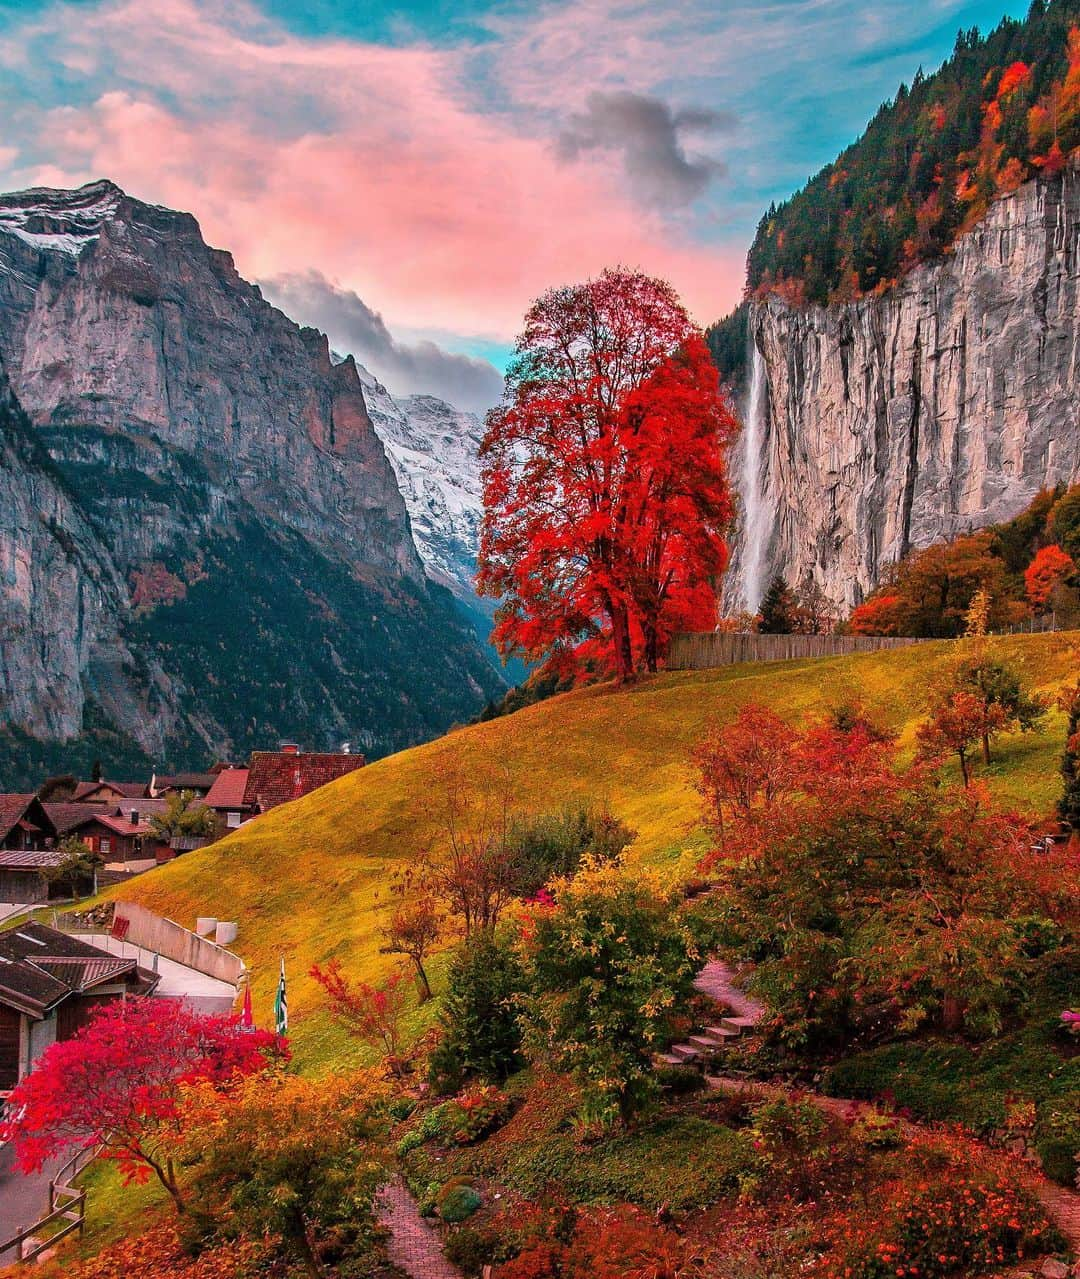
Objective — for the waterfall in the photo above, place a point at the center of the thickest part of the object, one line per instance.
(755, 523)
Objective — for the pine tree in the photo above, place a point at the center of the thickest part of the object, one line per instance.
(778, 608)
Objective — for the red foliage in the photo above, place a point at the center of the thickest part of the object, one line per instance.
(156, 1253)
(745, 766)
(153, 585)
(120, 1083)
(879, 615)
(957, 723)
(1050, 567)
(956, 1211)
(605, 482)
(607, 1244)
(372, 1013)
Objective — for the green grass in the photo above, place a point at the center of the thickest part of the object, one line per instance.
(311, 880)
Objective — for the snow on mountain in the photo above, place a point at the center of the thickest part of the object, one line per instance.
(434, 450)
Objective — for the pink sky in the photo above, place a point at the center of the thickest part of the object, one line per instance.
(373, 165)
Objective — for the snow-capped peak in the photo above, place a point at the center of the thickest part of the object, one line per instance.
(64, 221)
(434, 450)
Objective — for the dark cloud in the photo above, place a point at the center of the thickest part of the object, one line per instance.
(650, 136)
(416, 368)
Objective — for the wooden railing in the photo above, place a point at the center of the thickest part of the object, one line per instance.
(67, 1204)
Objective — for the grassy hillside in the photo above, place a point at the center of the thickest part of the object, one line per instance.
(310, 880)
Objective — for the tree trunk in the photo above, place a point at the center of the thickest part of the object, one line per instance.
(422, 978)
(620, 634)
(986, 748)
(952, 1012)
(652, 648)
(964, 768)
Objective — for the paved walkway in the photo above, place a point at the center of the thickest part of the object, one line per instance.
(717, 980)
(1062, 1205)
(414, 1246)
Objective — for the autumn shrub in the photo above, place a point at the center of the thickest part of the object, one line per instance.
(618, 1243)
(458, 1202)
(679, 1081)
(256, 1169)
(607, 965)
(473, 1114)
(480, 1035)
(953, 1211)
(798, 1155)
(553, 844)
(1057, 1141)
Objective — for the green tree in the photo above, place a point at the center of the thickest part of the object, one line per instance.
(79, 866)
(606, 968)
(779, 609)
(480, 1030)
(554, 844)
(185, 814)
(999, 682)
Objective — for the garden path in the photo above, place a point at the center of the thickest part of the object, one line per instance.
(718, 981)
(414, 1245)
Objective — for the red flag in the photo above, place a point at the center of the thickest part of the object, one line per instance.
(246, 1018)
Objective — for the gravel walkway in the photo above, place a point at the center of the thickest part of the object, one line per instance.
(414, 1245)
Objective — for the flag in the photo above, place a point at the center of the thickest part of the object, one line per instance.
(281, 1005)
(247, 1020)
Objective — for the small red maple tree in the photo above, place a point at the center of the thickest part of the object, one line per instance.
(606, 495)
(1050, 567)
(119, 1083)
(372, 1013)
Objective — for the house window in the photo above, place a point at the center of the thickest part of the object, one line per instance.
(106, 844)
(232, 820)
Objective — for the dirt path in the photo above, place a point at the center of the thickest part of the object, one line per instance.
(414, 1246)
(1062, 1205)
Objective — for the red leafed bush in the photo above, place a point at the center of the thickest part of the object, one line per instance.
(156, 1254)
(120, 1083)
(476, 1111)
(611, 1244)
(955, 1211)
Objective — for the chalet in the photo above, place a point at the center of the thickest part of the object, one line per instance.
(66, 816)
(226, 798)
(277, 777)
(119, 834)
(49, 983)
(23, 822)
(102, 792)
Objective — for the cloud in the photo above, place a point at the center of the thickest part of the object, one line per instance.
(418, 368)
(381, 167)
(650, 136)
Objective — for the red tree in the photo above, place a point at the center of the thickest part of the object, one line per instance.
(119, 1083)
(745, 767)
(1050, 567)
(605, 484)
(958, 723)
(372, 1013)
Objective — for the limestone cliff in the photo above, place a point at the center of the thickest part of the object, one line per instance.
(892, 422)
(243, 564)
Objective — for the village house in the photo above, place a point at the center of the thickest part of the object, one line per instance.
(102, 792)
(226, 798)
(119, 835)
(49, 983)
(277, 777)
(23, 822)
(33, 875)
(175, 784)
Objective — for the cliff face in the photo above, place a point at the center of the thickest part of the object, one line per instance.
(893, 422)
(224, 489)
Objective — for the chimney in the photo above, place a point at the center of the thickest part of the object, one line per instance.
(134, 817)
(289, 748)
(346, 747)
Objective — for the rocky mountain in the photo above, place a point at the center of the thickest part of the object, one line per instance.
(254, 573)
(434, 449)
(947, 403)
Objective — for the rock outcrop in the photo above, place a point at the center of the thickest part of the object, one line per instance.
(945, 405)
(222, 488)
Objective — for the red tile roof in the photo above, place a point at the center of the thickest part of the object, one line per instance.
(276, 777)
(12, 808)
(228, 789)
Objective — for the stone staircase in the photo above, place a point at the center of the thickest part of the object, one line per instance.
(701, 1050)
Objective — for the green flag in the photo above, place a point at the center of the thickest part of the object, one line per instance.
(281, 1004)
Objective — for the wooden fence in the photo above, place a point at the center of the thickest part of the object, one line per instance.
(727, 648)
(67, 1211)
